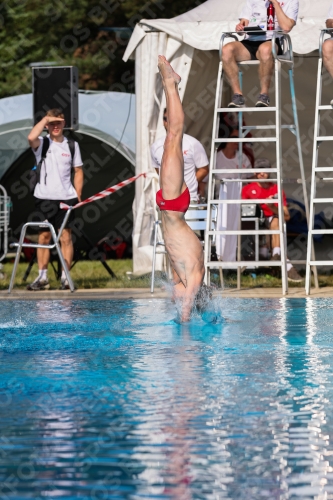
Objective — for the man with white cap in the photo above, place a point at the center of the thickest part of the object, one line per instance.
(328, 46)
(264, 189)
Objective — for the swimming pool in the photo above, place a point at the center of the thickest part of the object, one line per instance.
(115, 400)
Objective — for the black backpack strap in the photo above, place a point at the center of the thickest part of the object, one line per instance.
(45, 148)
(71, 145)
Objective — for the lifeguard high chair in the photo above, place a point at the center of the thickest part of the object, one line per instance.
(286, 60)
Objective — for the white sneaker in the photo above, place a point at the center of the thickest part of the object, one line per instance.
(39, 284)
(64, 284)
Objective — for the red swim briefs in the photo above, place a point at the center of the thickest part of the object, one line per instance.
(179, 204)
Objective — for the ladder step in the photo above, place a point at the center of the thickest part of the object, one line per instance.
(248, 139)
(322, 231)
(248, 128)
(323, 200)
(264, 263)
(243, 180)
(245, 232)
(248, 110)
(245, 171)
(247, 202)
(325, 106)
(318, 139)
(321, 262)
(244, 263)
(322, 169)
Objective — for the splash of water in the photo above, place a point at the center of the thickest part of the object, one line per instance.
(206, 307)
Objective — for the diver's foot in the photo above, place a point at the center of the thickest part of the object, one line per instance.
(167, 73)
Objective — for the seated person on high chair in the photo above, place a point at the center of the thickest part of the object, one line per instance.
(264, 189)
(257, 46)
(328, 46)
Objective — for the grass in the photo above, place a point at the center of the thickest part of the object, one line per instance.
(91, 274)
(85, 274)
(262, 279)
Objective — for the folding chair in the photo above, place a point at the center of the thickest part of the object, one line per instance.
(56, 239)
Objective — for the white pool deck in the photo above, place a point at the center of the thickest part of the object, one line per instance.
(144, 293)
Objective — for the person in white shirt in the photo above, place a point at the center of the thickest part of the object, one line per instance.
(328, 46)
(195, 160)
(228, 216)
(53, 187)
(254, 14)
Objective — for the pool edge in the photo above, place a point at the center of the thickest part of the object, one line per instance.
(144, 293)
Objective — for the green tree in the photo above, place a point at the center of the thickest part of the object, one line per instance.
(69, 33)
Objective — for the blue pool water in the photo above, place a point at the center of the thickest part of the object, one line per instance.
(115, 400)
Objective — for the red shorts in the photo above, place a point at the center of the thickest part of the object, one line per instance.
(179, 204)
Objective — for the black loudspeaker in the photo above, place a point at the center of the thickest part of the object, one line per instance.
(56, 87)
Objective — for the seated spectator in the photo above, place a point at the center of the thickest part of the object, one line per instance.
(196, 163)
(228, 216)
(257, 46)
(264, 189)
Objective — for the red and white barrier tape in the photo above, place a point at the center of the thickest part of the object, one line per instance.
(104, 193)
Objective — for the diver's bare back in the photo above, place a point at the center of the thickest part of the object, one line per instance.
(184, 249)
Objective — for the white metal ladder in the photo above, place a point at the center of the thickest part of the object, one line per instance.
(317, 140)
(56, 244)
(286, 58)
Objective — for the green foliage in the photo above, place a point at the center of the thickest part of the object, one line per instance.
(68, 33)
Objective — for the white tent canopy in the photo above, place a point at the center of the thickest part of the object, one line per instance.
(190, 42)
(201, 27)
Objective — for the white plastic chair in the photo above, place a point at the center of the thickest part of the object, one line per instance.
(56, 244)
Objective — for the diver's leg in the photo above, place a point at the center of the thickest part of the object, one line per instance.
(172, 167)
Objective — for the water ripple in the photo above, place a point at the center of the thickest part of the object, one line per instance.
(116, 400)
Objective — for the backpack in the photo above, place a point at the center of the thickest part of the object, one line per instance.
(34, 177)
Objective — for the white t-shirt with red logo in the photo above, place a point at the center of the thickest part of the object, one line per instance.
(55, 176)
(256, 12)
(330, 12)
(194, 157)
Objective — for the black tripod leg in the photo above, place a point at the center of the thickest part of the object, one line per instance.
(57, 270)
(31, 263)
(100, 256)
(109, 270)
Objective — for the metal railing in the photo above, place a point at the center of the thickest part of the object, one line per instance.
(5, 204)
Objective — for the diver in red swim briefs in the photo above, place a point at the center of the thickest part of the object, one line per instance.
(183, 246)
